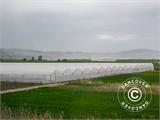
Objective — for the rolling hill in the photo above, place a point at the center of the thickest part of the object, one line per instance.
(54, 55)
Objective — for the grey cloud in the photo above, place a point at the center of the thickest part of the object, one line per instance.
(76, 29)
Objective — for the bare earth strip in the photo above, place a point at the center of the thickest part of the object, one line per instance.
(155, 89)
(5, 85)
(109, 87)
(114, 87)
(34, 87)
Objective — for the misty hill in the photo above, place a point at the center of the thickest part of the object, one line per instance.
(130, 54)
(21, 53)
(138, 54)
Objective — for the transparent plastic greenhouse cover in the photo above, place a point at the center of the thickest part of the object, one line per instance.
(54, 73)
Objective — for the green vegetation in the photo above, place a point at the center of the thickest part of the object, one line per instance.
(40, 60)
(73, 103)
(81, 60)
(32, 59)
(81, 99)
(137, 60)
(156, 65)
(152, 77)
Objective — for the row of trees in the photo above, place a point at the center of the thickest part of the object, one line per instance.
(156, 65)
(40, 58)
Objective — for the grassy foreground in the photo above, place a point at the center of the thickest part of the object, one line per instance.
(93, 99)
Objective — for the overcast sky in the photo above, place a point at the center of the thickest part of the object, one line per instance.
(80, 25)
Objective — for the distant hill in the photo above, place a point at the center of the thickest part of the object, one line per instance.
(138, 54)
(53, 55)
(50, 55)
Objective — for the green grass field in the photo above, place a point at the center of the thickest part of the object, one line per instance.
(152, 77)
(96, 98)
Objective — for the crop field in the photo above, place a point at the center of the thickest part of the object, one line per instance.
(88, 98)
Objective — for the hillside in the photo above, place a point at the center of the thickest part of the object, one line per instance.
(53, 55)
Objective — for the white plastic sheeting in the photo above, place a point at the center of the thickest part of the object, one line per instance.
(60, 72)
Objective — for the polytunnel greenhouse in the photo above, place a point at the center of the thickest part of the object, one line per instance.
(60, 72)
